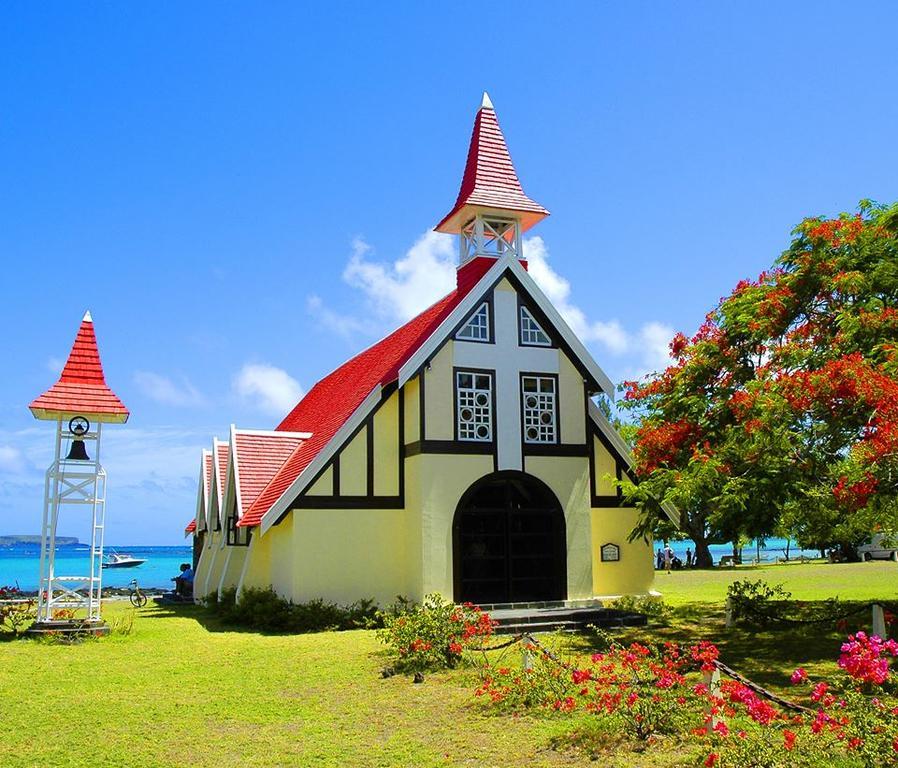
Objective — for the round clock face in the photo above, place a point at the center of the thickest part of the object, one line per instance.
(79, 426)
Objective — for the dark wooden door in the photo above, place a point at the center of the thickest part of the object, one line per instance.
(509, 542)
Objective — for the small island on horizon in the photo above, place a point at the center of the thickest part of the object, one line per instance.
(25, 540)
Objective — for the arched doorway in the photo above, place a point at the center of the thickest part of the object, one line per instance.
(509, 544)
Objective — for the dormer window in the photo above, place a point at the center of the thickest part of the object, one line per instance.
(478, 326)
(532, 334)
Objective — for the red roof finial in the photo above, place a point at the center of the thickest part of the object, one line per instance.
(490, 182)
(81, 388)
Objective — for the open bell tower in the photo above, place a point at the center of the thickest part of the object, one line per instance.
(79, 404)
(491, 211)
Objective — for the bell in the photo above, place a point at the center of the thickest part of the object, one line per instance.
(77, 452)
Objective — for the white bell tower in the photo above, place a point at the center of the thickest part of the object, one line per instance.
(75, 485)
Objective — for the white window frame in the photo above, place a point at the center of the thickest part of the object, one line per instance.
(526, 318)
(539, 409)
(478, 322)
(474, 407)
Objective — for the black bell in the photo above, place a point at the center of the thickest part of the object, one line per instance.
(77, 452)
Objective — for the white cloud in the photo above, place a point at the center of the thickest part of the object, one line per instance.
(163, 390)
(400, 290)
(271, 389)
(646, 348)
(11, 459)
(342, 325)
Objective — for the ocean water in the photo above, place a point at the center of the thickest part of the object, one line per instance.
(770, 550)
(20, 566)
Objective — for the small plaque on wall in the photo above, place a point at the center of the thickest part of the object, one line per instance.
(610, 553)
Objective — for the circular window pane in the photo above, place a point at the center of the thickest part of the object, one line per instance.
(545, 418)
(467, 414)
(531, 401)
(481, 399)
(532, 433)
(482, 431)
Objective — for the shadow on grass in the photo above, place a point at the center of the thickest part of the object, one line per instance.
(766, 654)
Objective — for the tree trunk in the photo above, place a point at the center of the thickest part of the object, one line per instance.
(702, 557)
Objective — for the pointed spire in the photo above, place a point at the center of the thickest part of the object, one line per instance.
(490, 183)
(87, 318)
(81, 388)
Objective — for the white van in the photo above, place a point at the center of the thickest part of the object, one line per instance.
(881, 547)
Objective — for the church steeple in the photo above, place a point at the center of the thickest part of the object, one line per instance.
(491, 210)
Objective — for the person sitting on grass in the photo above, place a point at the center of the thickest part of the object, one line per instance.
(184, 581)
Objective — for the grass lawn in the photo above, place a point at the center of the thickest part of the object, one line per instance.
(182, 691)
(876, 580)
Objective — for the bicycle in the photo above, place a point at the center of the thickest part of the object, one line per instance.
(135, 595)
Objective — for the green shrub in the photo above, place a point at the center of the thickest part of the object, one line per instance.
(432, 635)
(265, 610)
(756, 601)
(653, 607)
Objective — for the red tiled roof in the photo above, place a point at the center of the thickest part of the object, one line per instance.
(207, 464)
(328, 405)
(81, 388)
(259, 456)
(490, 180)
(222, 476)
(191, 526)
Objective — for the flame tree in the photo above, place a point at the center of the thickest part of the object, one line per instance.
(781, 412)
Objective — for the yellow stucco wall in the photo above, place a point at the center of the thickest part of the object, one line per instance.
(571, 402)
(605, 467)
(324, 485)
(439, 407)
(257, 569)
(354, 467)
(568, 477)
(412, 405)
(233, 567)
(434, 490)
(283, 557)
(386, 448)
(634, 573)
(347, 554)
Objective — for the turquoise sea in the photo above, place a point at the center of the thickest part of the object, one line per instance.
(20, 565)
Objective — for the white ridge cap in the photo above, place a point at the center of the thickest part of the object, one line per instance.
(87, 318)
(486, 103)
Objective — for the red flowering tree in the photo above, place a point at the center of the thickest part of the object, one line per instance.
(783, 407)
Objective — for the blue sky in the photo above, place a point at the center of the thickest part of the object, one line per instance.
(241, 193)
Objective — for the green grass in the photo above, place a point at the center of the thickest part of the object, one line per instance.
(183, 691)
(877, 580)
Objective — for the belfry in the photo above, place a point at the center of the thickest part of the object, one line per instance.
(79, 404)
(462, 454)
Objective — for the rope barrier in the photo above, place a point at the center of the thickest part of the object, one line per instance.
(822, 620)
(760, 690)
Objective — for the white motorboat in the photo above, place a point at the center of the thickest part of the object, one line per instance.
(115, 560)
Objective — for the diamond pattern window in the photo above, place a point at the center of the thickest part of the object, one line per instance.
(539, 409)
(478, 327)
(532, 333)
(474, 406)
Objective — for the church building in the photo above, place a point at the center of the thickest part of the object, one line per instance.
(462, 454)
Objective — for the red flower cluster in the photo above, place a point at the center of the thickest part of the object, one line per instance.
(864, 658)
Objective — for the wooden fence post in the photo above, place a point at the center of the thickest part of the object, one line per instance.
(711, 679)
(729, 613)
(879, 622)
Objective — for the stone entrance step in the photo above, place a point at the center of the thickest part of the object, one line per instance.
(515, 620)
